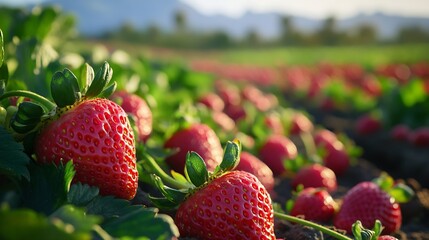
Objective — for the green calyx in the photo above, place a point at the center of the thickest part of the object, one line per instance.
(177, 187)
(361, 233)
(399, 191)
(66, 90)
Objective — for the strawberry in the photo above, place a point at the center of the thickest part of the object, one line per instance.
(137, 108)
(367, 125)
(337, 159)
(326, 138)
(275, 151)
(224, 121)
(224, 204)
(97, 136)
(420, 137)
(212, 101)
(300, 124)
(80, 126)
(316, 176)
(199, 138)
(400, 132)
(386, 237)
(367, 202)
(232, 206)
(314, 204)
(334, 154)
(274, 123)
(252, 164)
(236, 112)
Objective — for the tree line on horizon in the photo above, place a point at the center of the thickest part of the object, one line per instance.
(327, 35)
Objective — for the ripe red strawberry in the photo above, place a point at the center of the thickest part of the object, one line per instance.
(400, 132)
(97, 136)
(337, 159)
(314, 204)
(274, 123)
(252, 164)
(137, 108)
(316, 176)
(275, 151)
(236, 112)
(420, 137)
(300, 124)
(212, 101)
(224, 204)
(326, 138)
(233, 206)
(199, 138)
(367, 202)
(223, 121)
(93, 132)
(367, 125)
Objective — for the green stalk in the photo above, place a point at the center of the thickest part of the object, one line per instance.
(307, 140)
(45, 103)
(155, 168)
(316, 226)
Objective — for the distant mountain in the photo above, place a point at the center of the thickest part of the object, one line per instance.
(98, 16)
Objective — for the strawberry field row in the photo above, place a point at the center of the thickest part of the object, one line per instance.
(103, 145)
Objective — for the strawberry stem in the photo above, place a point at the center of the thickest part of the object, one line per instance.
(157, 170)
(310, 147)
(45, 103)
(316, 226)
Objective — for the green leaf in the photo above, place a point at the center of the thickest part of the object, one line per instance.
(401, 193)
(231, 155)
(384, 181)
(69, 215)
(179, 177)
(65, 88)
(48, 187)
(86, 77)
(81, 194)
(174, 196)
(27, 117)
(413, 92)
(102, 78)
(28, 224)
(196, 169)
(13, 160)
(142, 222)
(108, 206)
(109, 90)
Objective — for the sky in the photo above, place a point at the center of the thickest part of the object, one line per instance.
(309, 8)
